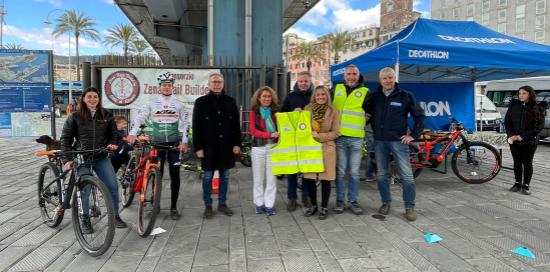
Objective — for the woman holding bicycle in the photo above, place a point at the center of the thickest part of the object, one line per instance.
(263, 128)
(524, 120)
(92, 127)
(326, 126)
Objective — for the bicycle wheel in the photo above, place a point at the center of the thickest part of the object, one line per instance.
(416, 161)
(478, 163)
(93, 206)
(149, 203)
(127, 181)
(49, 196)
(245, 158)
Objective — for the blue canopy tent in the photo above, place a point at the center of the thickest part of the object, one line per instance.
(429, 55)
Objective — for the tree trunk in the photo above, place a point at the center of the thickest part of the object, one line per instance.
(77, 58)
(308, 64)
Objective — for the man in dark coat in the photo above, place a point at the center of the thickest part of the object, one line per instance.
(298, 98)
(217, 139)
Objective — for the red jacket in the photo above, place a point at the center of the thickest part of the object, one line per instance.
(257, 128)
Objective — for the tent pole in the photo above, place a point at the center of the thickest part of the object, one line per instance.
(397, 65)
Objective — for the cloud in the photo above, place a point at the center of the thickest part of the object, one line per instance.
(55, 3)
(309, 36)
(336, 4)
(417, 7)
(42, 39)
(317, 16)
(346, 19)
(110, 2)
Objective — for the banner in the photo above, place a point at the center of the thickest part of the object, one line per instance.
(441, 100)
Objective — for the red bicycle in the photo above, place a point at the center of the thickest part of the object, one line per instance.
(472, 162)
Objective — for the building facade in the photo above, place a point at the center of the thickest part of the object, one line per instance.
(319, 70)
(525, 19)
(394, 16)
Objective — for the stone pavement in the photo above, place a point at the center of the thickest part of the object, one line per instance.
(479, 224)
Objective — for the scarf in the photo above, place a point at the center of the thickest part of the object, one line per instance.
(317, 114)
(269, 125)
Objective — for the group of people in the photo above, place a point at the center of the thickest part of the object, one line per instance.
(338, 121)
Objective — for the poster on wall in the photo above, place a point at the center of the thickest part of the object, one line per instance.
(25, 87)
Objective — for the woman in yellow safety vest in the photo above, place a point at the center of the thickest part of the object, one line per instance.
(326, 126)
(263, 128)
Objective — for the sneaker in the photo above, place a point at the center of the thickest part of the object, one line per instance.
(516, 187)
(310, 211)
(86, 224)
(174, 214)
(270, 211)
(260, 209)
(339, 207)
(95, 211)
(208, 212)
(119, 224)
(291, 206)
(355, 208)
(410, 214)
(384, 209)
(225, 210)
(525, 190)
(323, 213)
(370, 179)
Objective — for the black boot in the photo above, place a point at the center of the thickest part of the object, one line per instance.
(516, 187)
(119, 223)
(525, 189)
(310, 211)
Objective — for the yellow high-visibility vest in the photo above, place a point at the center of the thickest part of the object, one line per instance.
(296, 150)
(352, 115)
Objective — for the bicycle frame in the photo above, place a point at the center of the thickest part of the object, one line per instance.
(425, 149)
(147, 161)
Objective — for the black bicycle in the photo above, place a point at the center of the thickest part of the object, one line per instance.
(88, 197)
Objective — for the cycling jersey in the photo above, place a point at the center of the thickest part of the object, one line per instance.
(168, 117)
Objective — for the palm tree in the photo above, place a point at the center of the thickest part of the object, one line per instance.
(140, 47)
(13, 45)
(309, 52)
(121, 35)
(78, 24)
(338, 41)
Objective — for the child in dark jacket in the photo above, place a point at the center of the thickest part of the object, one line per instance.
(121, 156)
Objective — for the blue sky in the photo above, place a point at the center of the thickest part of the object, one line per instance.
(24, 22)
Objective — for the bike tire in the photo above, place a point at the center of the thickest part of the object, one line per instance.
(487, 155)
(101, 215)
(127, 181)
(415, 158)
(245, 159)
(49, 199)
(150, 207)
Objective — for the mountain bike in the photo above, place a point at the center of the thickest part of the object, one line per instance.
(246, 148)
(88, 197)
(472, 162)
(142, 175)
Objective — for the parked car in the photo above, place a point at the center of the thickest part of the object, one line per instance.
(545, 96)
(488, 118)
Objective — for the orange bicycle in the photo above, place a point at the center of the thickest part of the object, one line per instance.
(142, 175)
(472, 162)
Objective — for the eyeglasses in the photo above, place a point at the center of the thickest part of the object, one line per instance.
(216, 82)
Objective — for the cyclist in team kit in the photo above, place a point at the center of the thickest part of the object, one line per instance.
(168, 117)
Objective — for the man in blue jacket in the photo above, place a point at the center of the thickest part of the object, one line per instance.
(389, 109)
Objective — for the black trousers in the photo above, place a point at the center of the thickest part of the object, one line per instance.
(312, 191)
(523, 162)
(174, 170)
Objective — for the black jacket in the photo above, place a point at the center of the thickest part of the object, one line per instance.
(216, 130)
(96, 133)
(524, 120)
(351, 89)
(389, 114)
(297, 99)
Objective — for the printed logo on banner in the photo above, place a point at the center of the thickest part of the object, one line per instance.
(122, 88)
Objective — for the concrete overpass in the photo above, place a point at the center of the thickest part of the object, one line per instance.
(238, 32)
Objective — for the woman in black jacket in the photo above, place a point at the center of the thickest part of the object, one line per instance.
(92, 127)
(524, 120)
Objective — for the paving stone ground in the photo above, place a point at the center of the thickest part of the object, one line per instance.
(479, 224)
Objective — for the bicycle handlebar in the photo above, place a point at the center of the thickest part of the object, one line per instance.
(60, 153)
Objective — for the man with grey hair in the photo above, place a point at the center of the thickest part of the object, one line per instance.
(389, 108)
(350, 99)
(217, 139)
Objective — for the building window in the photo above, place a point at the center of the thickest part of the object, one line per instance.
(520, 25)
(502, 3)
(539, 36)
(539, 22)
(540, 6)
(486, 5)
(501, 27)
(455, 12)
(485, 19)
(520, 11)
(470, 10)
(370, 32)
(502, 15)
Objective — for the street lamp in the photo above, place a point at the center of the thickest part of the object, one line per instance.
(48, 23)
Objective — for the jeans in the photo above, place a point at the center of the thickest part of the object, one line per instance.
(292, 188)
(349, 151)
(106, 173)
(400, 154)
(369, 141)
(207, 187)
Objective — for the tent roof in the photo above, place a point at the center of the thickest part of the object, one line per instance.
(452, 51)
